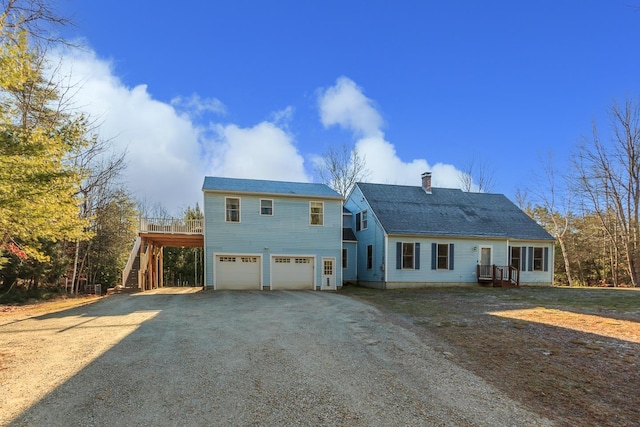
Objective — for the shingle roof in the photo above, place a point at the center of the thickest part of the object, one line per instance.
(212, 183)
(449, 212)
(348, 235)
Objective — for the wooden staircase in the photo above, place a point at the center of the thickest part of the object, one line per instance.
(504, 276)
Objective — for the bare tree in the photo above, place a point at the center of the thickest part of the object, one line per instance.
(37, 17)
(556, 209)
(608, 175)
(477, 171)
(522, 198)
(341, 168)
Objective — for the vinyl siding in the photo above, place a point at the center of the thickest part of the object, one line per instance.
(349, 274)
(372, 235)
(286, 232)
(466, 258)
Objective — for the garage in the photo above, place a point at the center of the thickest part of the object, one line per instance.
(237, 272)
(289, 272)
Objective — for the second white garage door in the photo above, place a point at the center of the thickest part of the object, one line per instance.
(291, 272)
(237, 272)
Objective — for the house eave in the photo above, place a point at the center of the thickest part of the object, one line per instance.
(271, 194)
(468, 237)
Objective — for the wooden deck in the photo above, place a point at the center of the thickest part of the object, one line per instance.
(505, 276)
(146, 257)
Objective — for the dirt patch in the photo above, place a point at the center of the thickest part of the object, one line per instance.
(571, 354)
(174, 357)
(10, 312)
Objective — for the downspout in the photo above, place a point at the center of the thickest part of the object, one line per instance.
(386, 259)
(204, 241)
(507, 254)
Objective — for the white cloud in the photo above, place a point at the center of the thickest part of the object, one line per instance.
(163, 164)
(264, 151)
(197, 106)
(345, 105)
(168, 151)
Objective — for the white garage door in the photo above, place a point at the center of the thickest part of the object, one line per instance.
(291, 272)
(237, 272)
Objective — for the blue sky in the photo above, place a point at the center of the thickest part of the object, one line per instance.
(258, 89)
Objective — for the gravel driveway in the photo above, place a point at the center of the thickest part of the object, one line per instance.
(177, 357)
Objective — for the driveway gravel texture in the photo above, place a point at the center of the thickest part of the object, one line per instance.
(185, 357)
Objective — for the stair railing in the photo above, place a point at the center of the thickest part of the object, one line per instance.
(132, 257)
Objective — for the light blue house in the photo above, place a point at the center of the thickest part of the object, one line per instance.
(271, 235)
(417, 236)
(349, 249)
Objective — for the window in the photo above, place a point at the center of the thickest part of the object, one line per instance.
(443, 256)
(344, 258)
(328, 267)
(369, 257)
(232, 209)
(407, 256)
(515, 257)
(266, 207)
(316, 210)
(249, 259)
(280, 260)
(537, 259)
(302, 261)
(227, 259)
(361, 220)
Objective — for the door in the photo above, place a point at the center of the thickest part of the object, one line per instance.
(291, 273)
(486, 260)
(237, 272)
(328, 273)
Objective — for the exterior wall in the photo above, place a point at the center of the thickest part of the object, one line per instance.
(466, 257)
(286, 232)
(537, 278)
(373, 235)
(350, 274)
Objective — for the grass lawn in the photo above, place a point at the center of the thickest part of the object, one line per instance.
(572, 354)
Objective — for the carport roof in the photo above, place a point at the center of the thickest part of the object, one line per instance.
(238, 185)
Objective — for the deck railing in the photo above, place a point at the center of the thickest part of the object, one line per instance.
(499, 274)
(171, 225)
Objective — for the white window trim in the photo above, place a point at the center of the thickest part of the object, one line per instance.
(438, 256)
(413, 259)
(533, 260)
(311, 214)
(272, 206)
(239, 210)
(363, 224)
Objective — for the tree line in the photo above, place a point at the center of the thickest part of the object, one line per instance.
(592, 205)
(66, 220)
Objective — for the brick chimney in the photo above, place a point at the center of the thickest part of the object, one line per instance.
(426, 182)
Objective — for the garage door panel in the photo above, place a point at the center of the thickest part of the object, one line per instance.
(237, 272)
(292, 273)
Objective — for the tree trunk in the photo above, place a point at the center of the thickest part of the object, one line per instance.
(75, 268)
(565, 258)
